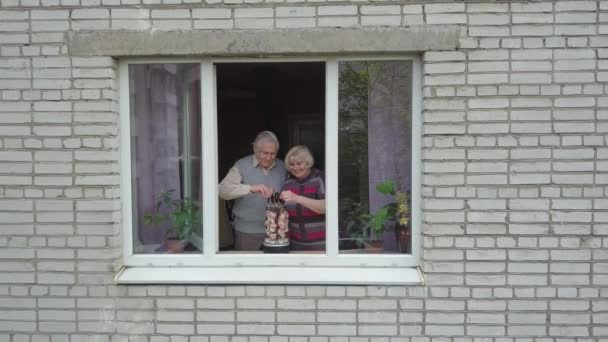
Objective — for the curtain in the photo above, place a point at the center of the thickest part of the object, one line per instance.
(155, 144)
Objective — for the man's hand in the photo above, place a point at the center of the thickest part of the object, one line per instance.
(262, 189)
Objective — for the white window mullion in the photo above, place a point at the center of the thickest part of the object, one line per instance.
(210, 161)
(125, 159)
(416, 195)
(331, 159)
(186, 156)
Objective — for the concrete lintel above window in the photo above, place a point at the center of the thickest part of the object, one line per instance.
(263, 42)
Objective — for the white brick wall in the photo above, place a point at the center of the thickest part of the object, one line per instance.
(515, 170)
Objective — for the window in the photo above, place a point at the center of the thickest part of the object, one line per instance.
(185, 123)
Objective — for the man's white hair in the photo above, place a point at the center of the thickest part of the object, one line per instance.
(265, 136)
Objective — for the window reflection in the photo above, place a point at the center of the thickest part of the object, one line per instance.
(375, 156)
(166, 157)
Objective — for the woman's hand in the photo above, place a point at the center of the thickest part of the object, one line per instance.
(289, 197)
(318, 206)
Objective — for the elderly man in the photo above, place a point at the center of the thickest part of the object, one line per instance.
(249, 183)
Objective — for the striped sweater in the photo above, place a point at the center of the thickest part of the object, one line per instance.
(306, 227)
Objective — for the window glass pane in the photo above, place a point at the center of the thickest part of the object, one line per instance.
(375, 152)
(166, 157)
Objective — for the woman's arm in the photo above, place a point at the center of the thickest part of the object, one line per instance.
(318, 206)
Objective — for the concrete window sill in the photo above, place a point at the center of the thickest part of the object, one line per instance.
(270, 275)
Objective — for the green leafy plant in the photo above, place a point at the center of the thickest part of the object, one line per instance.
(364, 229)
(397, 211)
(358, 223)
(182, 215)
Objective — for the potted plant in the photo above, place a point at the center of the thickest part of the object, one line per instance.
(358, 225)
(181, 215)
(396, 214)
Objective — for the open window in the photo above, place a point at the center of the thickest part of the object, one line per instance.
(287, 98)
(185, 123)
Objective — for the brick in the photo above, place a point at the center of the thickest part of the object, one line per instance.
(412, 9)
(255, 303)
(575, 18)
(532, 7)
(487, 66)
(49, 14)
(531, 30)
(338, 21)
(575, 6)
(123, 13)
(380, 10)
(488, 19)
(486, 7)
(443, 8)
(254, 23)
(572, 77)
(170, 24)
(257, 329)
(413, 20)
(211, 13)
(253, 12)
(295, 22)
(337, 10)
(13, 14)
(436, 56)
(383, 20)
(15, 156)
(90, 13)
(532, 18)
(445, 18)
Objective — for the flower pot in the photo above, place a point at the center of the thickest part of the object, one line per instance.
(403, 239)
(176, 246)
(374, 246)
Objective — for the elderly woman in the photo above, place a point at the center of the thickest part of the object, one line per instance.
(304, 194)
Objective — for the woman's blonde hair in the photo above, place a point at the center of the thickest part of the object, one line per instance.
(300, 153)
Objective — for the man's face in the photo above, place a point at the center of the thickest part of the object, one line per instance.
(266, 154)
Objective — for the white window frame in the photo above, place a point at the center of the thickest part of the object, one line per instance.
(213, 267)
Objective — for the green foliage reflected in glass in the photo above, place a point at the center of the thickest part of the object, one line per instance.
(183, 216)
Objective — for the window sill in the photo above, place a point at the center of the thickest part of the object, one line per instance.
(271, 275)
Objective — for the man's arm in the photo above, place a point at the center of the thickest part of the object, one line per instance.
(230, 187)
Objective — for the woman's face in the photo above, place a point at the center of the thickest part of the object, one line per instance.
(298, 168)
